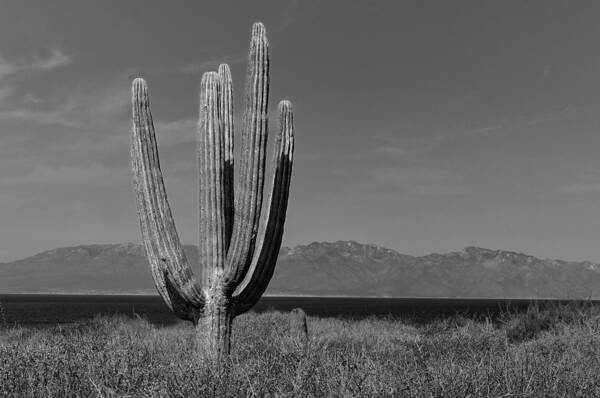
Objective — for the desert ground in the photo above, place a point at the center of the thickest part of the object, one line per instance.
(551, 352)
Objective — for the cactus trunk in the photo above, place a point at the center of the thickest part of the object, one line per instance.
(213, 329)
(238, 245)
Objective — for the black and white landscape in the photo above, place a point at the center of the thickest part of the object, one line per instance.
(342, 268)
(460, 137)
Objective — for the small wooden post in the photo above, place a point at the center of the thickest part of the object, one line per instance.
(298, 329)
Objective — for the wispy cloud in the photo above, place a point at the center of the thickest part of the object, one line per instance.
(588, 182)
(95, 174)
(289, 14)
(177, 131)
(399, 146)
(11, 98)
(516, 124)
(418, 181)
(56, 59)
(79, 108)
(414, 147)
(50, 117)
(192, 67)
(6, 91)
(389, 150)
(7, 68)
(211, 64)
(36, 62)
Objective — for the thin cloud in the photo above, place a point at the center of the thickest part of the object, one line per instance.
(581, 188)
(289, 14)
(51, 117)
(418, 181)
(94, 173)
(57, 58)
(208, 65)
(6, 92)
(582, 184)
(515, 125)
(393, 147)
(80, 108)
(389, 150)
(192, 68)
(398, 146)
(176, 131)
(7, 68)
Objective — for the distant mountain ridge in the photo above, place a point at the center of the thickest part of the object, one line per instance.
(342, 268)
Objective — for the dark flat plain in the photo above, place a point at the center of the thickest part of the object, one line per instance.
(42, 309)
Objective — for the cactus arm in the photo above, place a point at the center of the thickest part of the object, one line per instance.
(248, 193)
(179, 305)
(170, 269)
(263, 263)
(226, 116)
(211, 169)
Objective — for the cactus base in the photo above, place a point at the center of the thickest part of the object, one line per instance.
(213, 331)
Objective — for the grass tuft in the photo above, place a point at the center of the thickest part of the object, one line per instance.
(550, 352)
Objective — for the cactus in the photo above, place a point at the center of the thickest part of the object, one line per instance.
(298, 329)
(238, 246)
(3, 317)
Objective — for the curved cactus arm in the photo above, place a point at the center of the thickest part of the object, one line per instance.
(163, 248)
(226, 116)
(180, 306)
(263, 263)
(211, 170)
(248, 192)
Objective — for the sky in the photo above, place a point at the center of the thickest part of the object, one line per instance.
(422, 126)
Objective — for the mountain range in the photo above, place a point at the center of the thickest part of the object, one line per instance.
(342, 268)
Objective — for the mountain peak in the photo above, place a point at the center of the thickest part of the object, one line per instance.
(320, 268)
(475, 250)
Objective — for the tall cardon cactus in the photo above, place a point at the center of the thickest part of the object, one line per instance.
(238, 245)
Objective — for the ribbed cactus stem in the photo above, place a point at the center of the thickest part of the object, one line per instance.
(248, 195)
(226, 115)
(238, 247)
(211, 172)
(172, 275)
(263, 263)
(215, 323)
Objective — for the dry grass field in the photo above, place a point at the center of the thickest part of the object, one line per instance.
(545, 352)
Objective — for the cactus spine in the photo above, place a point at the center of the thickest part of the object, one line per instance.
(238, 246)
